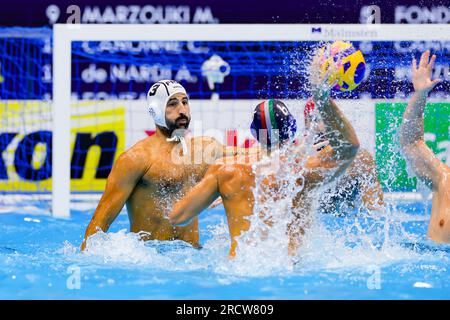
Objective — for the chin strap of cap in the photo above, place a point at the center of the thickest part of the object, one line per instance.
(181, 140)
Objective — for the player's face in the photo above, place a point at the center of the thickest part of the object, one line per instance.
(178, 114)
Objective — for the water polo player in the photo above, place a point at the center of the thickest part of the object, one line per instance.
(428, 168)
(150, 176)
(234, 180)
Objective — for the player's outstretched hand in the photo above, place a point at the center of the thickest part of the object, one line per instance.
(421, 74)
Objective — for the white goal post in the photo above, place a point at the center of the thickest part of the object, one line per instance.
(65, 34)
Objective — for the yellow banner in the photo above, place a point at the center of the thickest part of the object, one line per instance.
(97, 139)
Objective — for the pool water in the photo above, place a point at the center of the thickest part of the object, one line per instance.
(358, 256)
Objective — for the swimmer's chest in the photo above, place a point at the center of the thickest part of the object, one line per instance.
(168, 166)
(165, 173)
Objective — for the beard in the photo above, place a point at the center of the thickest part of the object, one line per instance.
(180, 124)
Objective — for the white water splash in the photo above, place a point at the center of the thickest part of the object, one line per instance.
(262, 250)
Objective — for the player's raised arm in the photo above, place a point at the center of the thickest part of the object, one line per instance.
(342, 138)
(197, 199)
(125, 174)
(334, 159)
(426, 165)
(340, 132)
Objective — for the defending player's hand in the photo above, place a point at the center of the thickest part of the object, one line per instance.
(421, 74)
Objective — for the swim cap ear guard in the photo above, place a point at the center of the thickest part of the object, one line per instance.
(273, 123)
(157, 98)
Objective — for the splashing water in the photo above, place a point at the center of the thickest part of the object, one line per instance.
(363, 239)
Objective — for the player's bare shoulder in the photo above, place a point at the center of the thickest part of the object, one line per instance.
(138, 156)
(233, 168)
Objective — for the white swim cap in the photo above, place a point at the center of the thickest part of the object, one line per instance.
(157, 98)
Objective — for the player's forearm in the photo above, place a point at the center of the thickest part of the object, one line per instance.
(341, 134)
(94, 226)
(182, 214)
(192, 204)
(411, 130)
(100, 221)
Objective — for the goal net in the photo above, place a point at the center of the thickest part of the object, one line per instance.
(25, 113)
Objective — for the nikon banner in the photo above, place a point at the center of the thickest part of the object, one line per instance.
(98, 138)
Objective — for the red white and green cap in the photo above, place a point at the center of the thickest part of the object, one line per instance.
(273, 123)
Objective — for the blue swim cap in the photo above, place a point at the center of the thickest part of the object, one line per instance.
(272, 123)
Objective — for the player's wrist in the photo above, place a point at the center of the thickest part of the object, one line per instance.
(422, 92)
